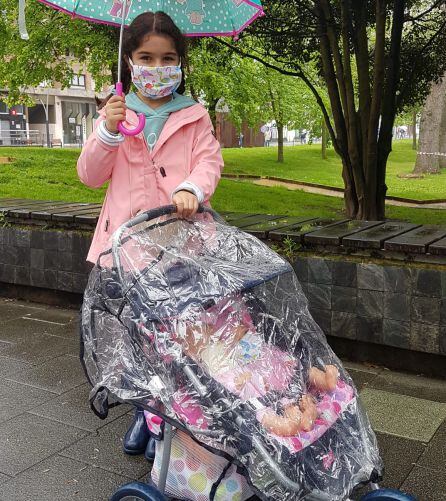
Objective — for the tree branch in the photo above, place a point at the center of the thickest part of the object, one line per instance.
(299, 74)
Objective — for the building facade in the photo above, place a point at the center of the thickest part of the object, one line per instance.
(70, 113)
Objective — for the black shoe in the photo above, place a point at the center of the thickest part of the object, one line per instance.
(137, 436)
(150, 449)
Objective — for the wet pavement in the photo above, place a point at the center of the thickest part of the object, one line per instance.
(52, 447)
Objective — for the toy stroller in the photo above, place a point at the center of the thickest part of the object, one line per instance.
(208, 329)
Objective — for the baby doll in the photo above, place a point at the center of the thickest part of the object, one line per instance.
(225, 342)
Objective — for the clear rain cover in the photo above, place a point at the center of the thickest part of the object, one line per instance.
(207, 327)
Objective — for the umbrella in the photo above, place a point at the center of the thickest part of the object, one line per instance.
(193, 17)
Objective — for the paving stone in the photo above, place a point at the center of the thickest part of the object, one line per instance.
(402, 415)
(396, 306)
(319, 271)
(363, 367)
(27, 439)
(105, 450)
(396, 279)
(343, 324)
(424, 337)
(370, 303)
(344, 274)
(425, 310)
(435, 455)
(370, 276)
(26, 327)
(55, 315)
(57, 375)
(426, 283)
(343, 299)
(73, 408)
(398, 455)
(16, 398)
(361, 378)
(319, 296)
(4, 478)
(396, 333)
(10, 310)
(9, 366)
(426, 484)
(59, 478)
(411, 385)
(38, 348)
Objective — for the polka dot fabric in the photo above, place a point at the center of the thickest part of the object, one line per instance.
(193, 471)
(193, 17)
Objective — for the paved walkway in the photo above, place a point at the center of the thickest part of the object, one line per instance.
(52, 447)
(340, 194)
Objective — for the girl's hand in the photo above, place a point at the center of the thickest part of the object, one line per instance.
(186, 202)
(114, 113)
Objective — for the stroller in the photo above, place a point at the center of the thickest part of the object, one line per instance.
(209, 331)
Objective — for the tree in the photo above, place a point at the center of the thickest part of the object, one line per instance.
(395, 49)
(432, 131)
(43, 58)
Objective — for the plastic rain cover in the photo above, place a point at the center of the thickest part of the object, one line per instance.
(207, 327)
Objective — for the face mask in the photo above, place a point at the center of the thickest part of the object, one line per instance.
(156, 82)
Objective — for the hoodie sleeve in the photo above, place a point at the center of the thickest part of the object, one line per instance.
(98, 156)
(207, 161)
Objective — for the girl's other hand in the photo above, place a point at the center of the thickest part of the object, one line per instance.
(114, 113)
(186, 202)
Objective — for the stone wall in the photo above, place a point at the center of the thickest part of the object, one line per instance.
(355, 298)
(49, 259)
(384, 303)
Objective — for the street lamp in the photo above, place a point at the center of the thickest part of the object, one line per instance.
(47, 123)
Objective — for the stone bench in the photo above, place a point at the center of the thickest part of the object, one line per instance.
(380, 283)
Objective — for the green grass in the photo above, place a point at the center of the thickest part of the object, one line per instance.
(304, 163)
(38, 173)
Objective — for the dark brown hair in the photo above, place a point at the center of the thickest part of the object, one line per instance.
(148, 23)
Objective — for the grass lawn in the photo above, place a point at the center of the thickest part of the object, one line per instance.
(44, 174)
(304, 163)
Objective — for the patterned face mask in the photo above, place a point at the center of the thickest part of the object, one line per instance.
(156, 82)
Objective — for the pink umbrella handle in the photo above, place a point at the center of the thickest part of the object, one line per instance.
(141, 116)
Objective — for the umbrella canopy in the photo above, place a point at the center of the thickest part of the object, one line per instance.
(193, 17)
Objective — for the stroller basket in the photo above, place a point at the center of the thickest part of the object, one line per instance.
(208, 328)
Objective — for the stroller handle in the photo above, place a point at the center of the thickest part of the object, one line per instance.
(164, 210)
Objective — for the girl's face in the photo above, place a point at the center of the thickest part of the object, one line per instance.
(156, 50)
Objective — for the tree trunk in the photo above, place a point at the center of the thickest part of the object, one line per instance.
(414, 130)
(324, 140)
(213, 112)
(442, 134)
(429, 140)
(280, 143)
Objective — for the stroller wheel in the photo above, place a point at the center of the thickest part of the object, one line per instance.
(387, 495)
(137, 491)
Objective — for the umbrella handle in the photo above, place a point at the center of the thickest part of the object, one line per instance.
(141, 116)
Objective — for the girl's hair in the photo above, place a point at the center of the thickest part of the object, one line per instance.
(149, 23)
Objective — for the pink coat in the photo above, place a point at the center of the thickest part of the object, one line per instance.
(187, 150)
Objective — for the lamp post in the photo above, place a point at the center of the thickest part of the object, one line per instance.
(47, 123)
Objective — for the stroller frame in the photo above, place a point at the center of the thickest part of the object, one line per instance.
(202, 390)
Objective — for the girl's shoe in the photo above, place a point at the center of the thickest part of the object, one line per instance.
(137, 436)
(149, 454)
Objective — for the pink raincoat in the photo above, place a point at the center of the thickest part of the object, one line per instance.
(186, 150)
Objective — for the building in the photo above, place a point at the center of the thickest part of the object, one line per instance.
(71, 114)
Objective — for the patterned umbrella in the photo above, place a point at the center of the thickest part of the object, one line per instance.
(193, 17)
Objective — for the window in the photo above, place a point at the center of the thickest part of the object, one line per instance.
(78, 82)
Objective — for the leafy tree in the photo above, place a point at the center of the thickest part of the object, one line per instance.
(53, 36)
(395, 49)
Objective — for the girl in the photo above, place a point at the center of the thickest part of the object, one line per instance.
(176, 159)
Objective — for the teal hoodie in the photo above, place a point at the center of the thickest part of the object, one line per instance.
(156, 118)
